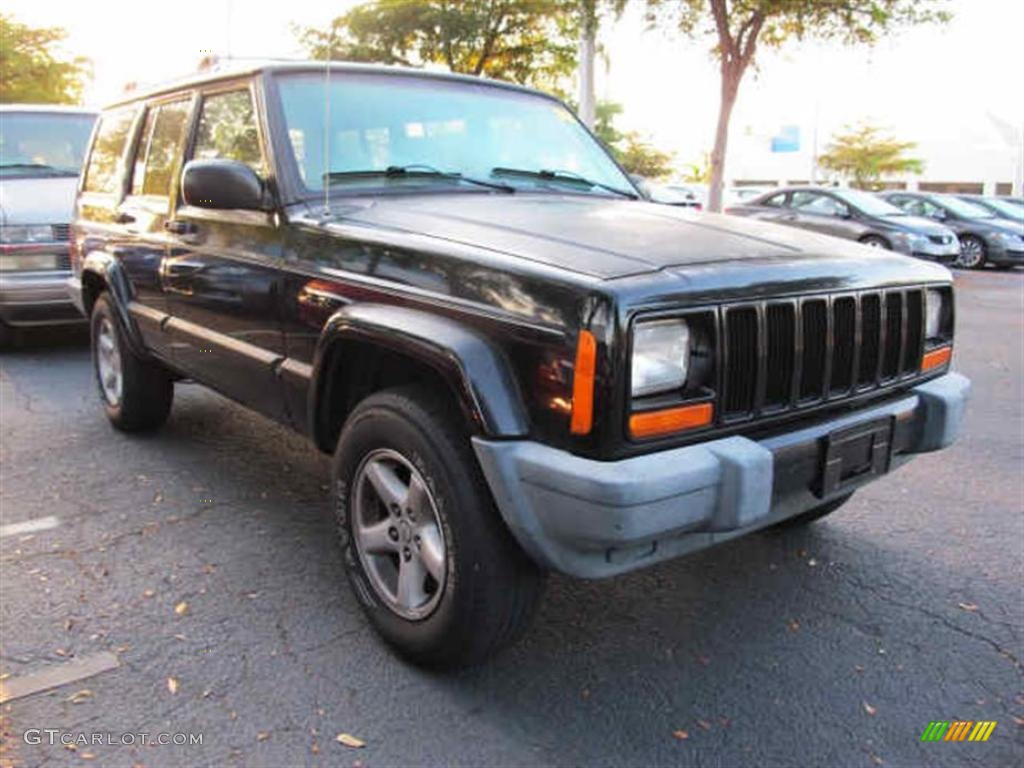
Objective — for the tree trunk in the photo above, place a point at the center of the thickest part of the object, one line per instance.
(730, 87)
(588, 36)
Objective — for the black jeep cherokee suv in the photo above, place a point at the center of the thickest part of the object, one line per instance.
(518, 365)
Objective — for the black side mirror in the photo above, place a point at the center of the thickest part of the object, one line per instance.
(222, 184)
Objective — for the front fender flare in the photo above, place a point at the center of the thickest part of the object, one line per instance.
(477, 371)
(108, 269)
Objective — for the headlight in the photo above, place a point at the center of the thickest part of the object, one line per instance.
(31, 233)
(661, 353)
(933, 313)
(1011, 239)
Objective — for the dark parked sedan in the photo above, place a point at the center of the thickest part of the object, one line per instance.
(853, 215)
(984, 237)
(999, 206)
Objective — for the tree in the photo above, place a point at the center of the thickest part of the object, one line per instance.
(740, 25)
(864, 155)
(699, 173)
(531, 42)
(633, 153)
(29, 70)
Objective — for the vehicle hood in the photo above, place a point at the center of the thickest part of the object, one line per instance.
(600, 237)
(37, 200)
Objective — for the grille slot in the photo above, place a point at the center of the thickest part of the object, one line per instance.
(61, 232)
(781, 352)
(815, 337)
(741, 352)
(784, 354)
(893, 335)
(915, 331)
(844, 338)
(871, 338)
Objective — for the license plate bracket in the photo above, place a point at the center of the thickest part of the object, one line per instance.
(854, 455)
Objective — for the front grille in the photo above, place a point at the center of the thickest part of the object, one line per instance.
(61, 232)
(787, 354)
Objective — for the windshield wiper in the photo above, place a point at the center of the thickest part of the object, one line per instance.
(415, 170)
(565, 176)
(39, 167)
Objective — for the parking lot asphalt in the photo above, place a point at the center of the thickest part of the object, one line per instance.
(203, 558)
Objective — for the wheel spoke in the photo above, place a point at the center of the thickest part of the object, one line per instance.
(418, 500)
(375, 539)
(411, 575)
(390, 489)
(432, 551)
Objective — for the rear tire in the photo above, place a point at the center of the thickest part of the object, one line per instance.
(470, 592)
(136, 393)
(812, 515)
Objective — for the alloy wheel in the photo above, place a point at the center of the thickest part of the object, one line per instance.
(972, 253)
(398, 534)
(108, 362)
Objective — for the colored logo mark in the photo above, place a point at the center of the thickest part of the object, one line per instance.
(958, 730)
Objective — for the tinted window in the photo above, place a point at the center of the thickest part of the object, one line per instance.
(227, 129)
(775, 201)
(104, 172)
(43, 143)
(159, 148)
(813, 202)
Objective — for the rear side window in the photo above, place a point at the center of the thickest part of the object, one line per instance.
(104, 171)
(227, 130)
(159, 148)
(775, 201)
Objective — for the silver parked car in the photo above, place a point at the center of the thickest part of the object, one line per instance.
(41, 150)
(854, 215)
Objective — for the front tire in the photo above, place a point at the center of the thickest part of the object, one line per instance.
(136, 393)
(973, 253)
(437, 572)
(874, 241)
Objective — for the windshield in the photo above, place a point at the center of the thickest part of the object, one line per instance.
(43, 143)
(868, 203)
(377, 122)
(1005, 208)
(963, 208)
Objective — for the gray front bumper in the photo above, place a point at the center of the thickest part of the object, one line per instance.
(36, 298)
(594, 519)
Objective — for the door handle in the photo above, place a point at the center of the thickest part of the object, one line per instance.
(181, 267)
(124, 218)
(178, 227)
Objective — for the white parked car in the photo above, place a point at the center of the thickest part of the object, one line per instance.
(41, 150)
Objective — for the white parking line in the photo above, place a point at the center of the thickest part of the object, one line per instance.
(56, 675)
(29, 526)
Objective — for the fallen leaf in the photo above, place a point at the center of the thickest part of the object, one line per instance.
(61, 652)
(858, 668)
(315, 749)
(681, 735)
(812, 562)
(172, 685)
(869, 709)
(148, 593)
(71, 747)
(262, 736)
(158, 497)
(725, 721)
(349, 741)
(181, 608)
(88, 756)
(585, 693)
(877, 760)
(971, 607)
(79, 697)
(793, 625)
(1019, 721)
(704, 724)
(208, 569)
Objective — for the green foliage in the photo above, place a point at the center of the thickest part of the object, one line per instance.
(633, 153)
(29, 71)
(864, 155)
(532, 42)
(699, 173)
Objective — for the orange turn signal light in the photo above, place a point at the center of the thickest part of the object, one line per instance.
(936, 358)
(668, 420)
(582, 418)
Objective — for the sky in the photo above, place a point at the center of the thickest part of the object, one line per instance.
(933, 85)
